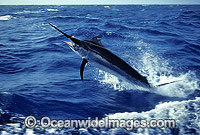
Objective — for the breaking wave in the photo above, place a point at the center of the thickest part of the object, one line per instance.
(6, 17)
(178, 110)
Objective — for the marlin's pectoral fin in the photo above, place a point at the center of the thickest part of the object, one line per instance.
(83, 63)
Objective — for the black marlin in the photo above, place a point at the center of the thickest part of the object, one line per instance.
(94, 52)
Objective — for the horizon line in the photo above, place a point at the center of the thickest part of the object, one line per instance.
(95, 4)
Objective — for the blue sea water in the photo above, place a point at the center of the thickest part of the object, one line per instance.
(39, 74)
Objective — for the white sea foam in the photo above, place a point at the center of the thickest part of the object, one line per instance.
(186, 114)
(28, 11)
(186, 86)
(6, 17)
(112, 81)
(52, 9)
(111, 8)
(107, 7)
(159, 71)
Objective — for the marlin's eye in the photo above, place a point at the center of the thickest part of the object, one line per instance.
(76, 47)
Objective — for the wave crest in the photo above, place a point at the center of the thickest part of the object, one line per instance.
(6, 17)
(184, 112)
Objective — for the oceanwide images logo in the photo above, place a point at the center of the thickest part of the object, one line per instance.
(129, 124)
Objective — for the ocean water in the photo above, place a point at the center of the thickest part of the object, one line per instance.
(39, 74)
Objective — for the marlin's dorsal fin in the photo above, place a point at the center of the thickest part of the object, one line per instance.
(97, 40)
(83, 63)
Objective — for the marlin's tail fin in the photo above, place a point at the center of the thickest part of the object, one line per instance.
(167, 83)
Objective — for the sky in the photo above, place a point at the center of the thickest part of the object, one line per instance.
(94, 2)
